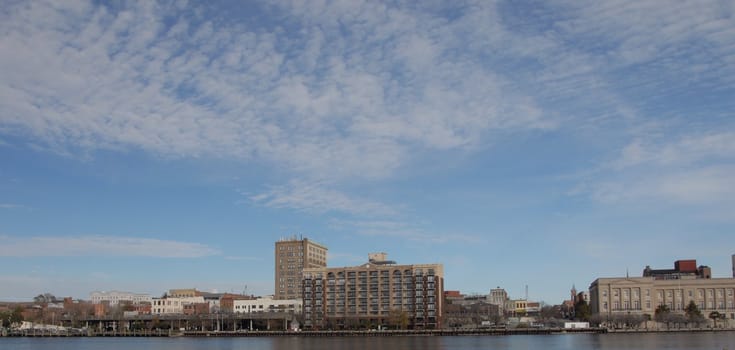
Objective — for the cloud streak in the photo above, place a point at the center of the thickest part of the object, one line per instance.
(401, 230)
(75, 246)
(316, 198)
(692, 170)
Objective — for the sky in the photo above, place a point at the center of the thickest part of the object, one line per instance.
(146, 146)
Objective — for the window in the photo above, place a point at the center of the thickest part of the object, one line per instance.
(604, 305)
(604, 293)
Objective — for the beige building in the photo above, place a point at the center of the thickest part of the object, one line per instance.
(292, 256)
(377, 293)
(183, 293)
(173, 305)
(499, 297)
(268, 304)
(673, 288)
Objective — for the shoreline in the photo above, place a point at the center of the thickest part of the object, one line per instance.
(362, 333)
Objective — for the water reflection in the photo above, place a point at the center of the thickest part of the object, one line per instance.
(680, 341)
(358, 343)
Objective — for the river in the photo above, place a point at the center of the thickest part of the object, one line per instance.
(681, 341)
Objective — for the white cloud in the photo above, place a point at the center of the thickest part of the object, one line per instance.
(315, 197)
(694, 169)
(353, 91)
(690, 149)
(339, 106)
(12, 206)
(401, 230)
(101, 246)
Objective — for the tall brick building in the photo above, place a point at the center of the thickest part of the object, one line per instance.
(292, 256)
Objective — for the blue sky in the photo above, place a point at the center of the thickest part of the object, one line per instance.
(147, 146)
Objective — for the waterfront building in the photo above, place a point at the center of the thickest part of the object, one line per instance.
(499, 297)
(292, 256)
(163, 306)
(227, 301)
(453, 296)
(115, 297)
(377, 293)
(674, 288)
(522, 307)
(183, 293)
(213, 300)
(268, 304)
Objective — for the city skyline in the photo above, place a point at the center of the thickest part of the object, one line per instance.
(157, 145)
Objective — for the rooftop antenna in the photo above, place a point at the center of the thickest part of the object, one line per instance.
(526, 292)
(627, 275)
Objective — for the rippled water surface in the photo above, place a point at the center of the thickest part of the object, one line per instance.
(718, 341)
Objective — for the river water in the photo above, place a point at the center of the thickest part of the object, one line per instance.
(682, 341)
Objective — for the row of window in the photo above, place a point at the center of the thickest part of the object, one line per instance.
(430, 274)
(669, 293)
(710, 305)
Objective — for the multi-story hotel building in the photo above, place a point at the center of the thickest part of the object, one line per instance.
(292, 256)
(377, 293)
(674, 288)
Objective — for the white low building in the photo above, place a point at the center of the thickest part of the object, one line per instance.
(268, 304)
(162, 306)
(114, 297)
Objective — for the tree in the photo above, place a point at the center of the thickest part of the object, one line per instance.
(714, 315)
(548, 312)
(9, 318)
(582, 310)
(45, 298)
(596, 320)
(662, 314)
(398, 319)
(693, 313)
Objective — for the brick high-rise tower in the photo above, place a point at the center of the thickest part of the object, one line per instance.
(292, 256)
